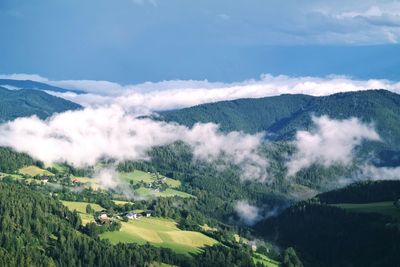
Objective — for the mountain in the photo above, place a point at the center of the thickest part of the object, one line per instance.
(32, 85)
(22, 103)
(281, 116)
(37, 230)
(359, 226)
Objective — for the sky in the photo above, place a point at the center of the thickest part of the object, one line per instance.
(134, 57)
(136, 41)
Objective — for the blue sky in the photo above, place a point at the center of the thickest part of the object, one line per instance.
(132, 41)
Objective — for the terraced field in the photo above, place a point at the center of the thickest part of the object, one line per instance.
(159, 232)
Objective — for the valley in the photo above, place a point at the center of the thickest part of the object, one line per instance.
(196, 208)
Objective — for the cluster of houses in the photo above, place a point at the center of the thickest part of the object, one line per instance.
(103, 217)
(158, 185)
(137, 215)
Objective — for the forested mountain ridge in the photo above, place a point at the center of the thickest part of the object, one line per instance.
(281, 116)
(22, 103)
(360, 226)
(32, 85)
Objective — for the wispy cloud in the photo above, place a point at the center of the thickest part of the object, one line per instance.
(373, 23)
(330, 142)
(248, 214)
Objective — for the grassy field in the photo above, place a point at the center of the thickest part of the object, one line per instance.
(121, 202)
(14, 176)
(34, 171)
(158, 264)
(259, 258)
(80, 207)
(147, 192)
(207, 228)
(140, 176)
(89, 182)
(59, 167)
(159, 232)
(386, 208)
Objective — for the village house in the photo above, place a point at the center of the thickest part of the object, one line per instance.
(103, 218)
(133, 215)
(149, 213)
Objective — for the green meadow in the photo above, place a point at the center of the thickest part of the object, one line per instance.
(169, 192)
(264, 260)
(159, 232)
(141, 176)
(80, 207)
(34, 171)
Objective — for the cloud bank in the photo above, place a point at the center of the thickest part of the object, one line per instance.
(330, 142)
(86, 136)
(147, 97)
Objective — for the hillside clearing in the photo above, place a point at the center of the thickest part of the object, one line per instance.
(148, 192)
(81, 206)
(34, 171)
(159, 232)
(146, 177)
(264, 260)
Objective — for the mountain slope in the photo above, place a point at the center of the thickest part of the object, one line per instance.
(28, 84)
(22, 103)
(331, 235)
(281, 116)
(37, 230)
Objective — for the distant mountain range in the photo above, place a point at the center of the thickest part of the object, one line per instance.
(281, 116)
(32, 85)
(22, 103)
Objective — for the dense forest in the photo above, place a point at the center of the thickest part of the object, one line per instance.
(363, 192)
(37, 230)
(281, 116)
(31, 102)
(326, 235)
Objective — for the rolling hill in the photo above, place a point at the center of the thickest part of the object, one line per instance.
(281, 116)
(22, 103)
(359, 226)
(32, 85)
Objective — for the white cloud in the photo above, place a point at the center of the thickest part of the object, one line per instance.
(375, 23)
(147, 97)
(83, 137)
(247, 213)
(331, 142)
(369, 172)
(24, 76)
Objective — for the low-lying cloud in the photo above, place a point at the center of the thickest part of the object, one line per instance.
(155, 96)
(86, 136)
(330, 142)
(247, 213)
(250, 214)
